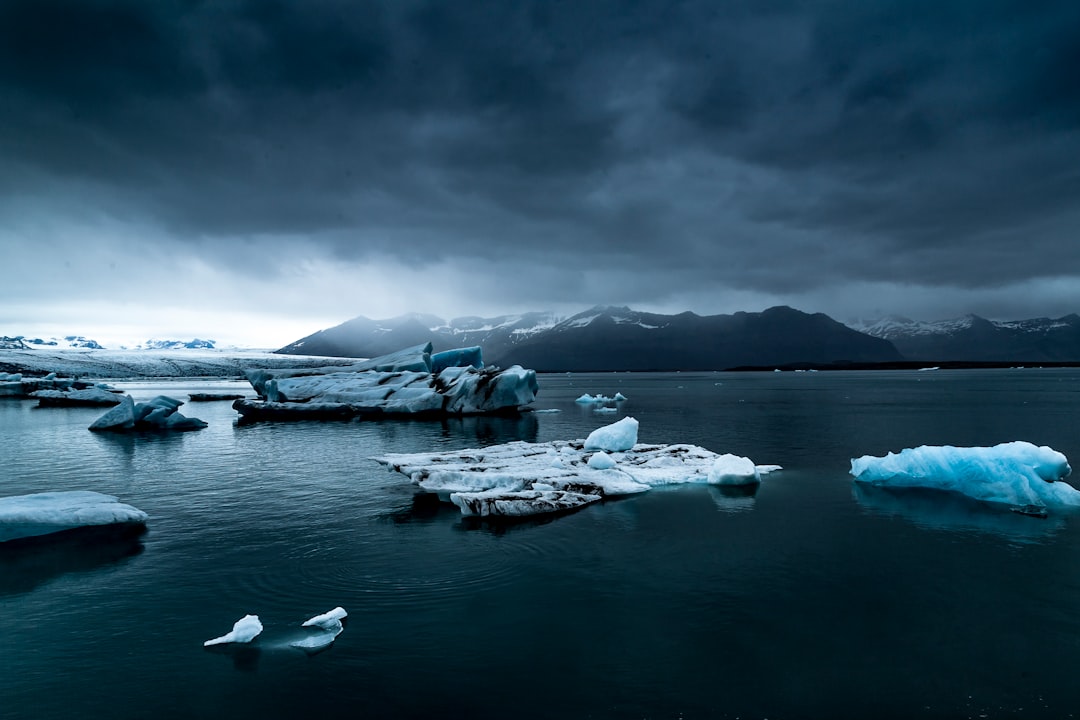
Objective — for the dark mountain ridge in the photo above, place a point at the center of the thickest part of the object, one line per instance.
(615, 338)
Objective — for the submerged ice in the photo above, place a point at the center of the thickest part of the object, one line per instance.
(521, 478)
(1015, 473)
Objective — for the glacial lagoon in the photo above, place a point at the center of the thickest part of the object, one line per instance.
(809, 597)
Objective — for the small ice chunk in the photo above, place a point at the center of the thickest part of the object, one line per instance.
(731, 469)
(244, 630)
(619, 397)
(600, 460)
(617, 437)
(327, 619)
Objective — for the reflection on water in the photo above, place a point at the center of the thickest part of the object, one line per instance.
(734, 498)
(939, 510)
(30, 562)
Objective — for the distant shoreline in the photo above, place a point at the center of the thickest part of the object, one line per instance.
(910, 365)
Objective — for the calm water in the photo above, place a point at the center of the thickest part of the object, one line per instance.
(808, 600)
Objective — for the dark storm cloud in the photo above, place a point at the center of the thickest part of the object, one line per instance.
(762, 145)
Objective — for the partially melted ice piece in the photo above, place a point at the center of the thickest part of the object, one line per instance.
(244, 630)
(1016, 473)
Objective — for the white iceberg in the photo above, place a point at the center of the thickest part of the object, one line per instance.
(733, 470)
(409, 382)
(244, 630)
(327, 619)
(1017, 473)
(615, 437)
(157, 414)
(521, 478)
(23, 516)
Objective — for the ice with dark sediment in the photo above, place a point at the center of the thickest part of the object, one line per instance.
(407, 382)
(522, 478)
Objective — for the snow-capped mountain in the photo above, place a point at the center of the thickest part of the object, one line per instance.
(614, 338)
(362, 337)
(973, 338)
(21, 342)
(194, 344)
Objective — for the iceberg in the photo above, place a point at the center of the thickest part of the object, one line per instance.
(244, 630)
(615, 437)
(733, 470)
(326, 628)
(157, 414)
(408, 382)
(92, 397)
(23, 516)
(520, 478)
(1018, 474)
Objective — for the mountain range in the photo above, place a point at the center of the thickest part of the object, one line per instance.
(615, 338)
(78, 342)
(975, 339)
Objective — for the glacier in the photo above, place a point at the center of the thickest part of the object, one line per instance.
(36, 514)
(521, 479)
(156, 414)
(1018, 474)
(410, 381)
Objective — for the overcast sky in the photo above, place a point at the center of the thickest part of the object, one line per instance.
(256, 171)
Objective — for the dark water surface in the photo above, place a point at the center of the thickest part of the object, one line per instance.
(807, 600)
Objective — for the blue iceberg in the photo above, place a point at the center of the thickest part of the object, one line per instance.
(1018, 474)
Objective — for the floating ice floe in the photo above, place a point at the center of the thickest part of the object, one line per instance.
(599, 399)
(1018, 473)
(521, 478)
(244, 630)
(325, 629)
(24, 516)
(157, 414)
(408, 382)
(92, 397)
(18, 385)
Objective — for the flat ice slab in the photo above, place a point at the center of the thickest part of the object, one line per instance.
(521, 478)
(1015, 473)
(23, 516)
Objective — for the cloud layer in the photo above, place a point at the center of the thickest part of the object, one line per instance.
(838, 156)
